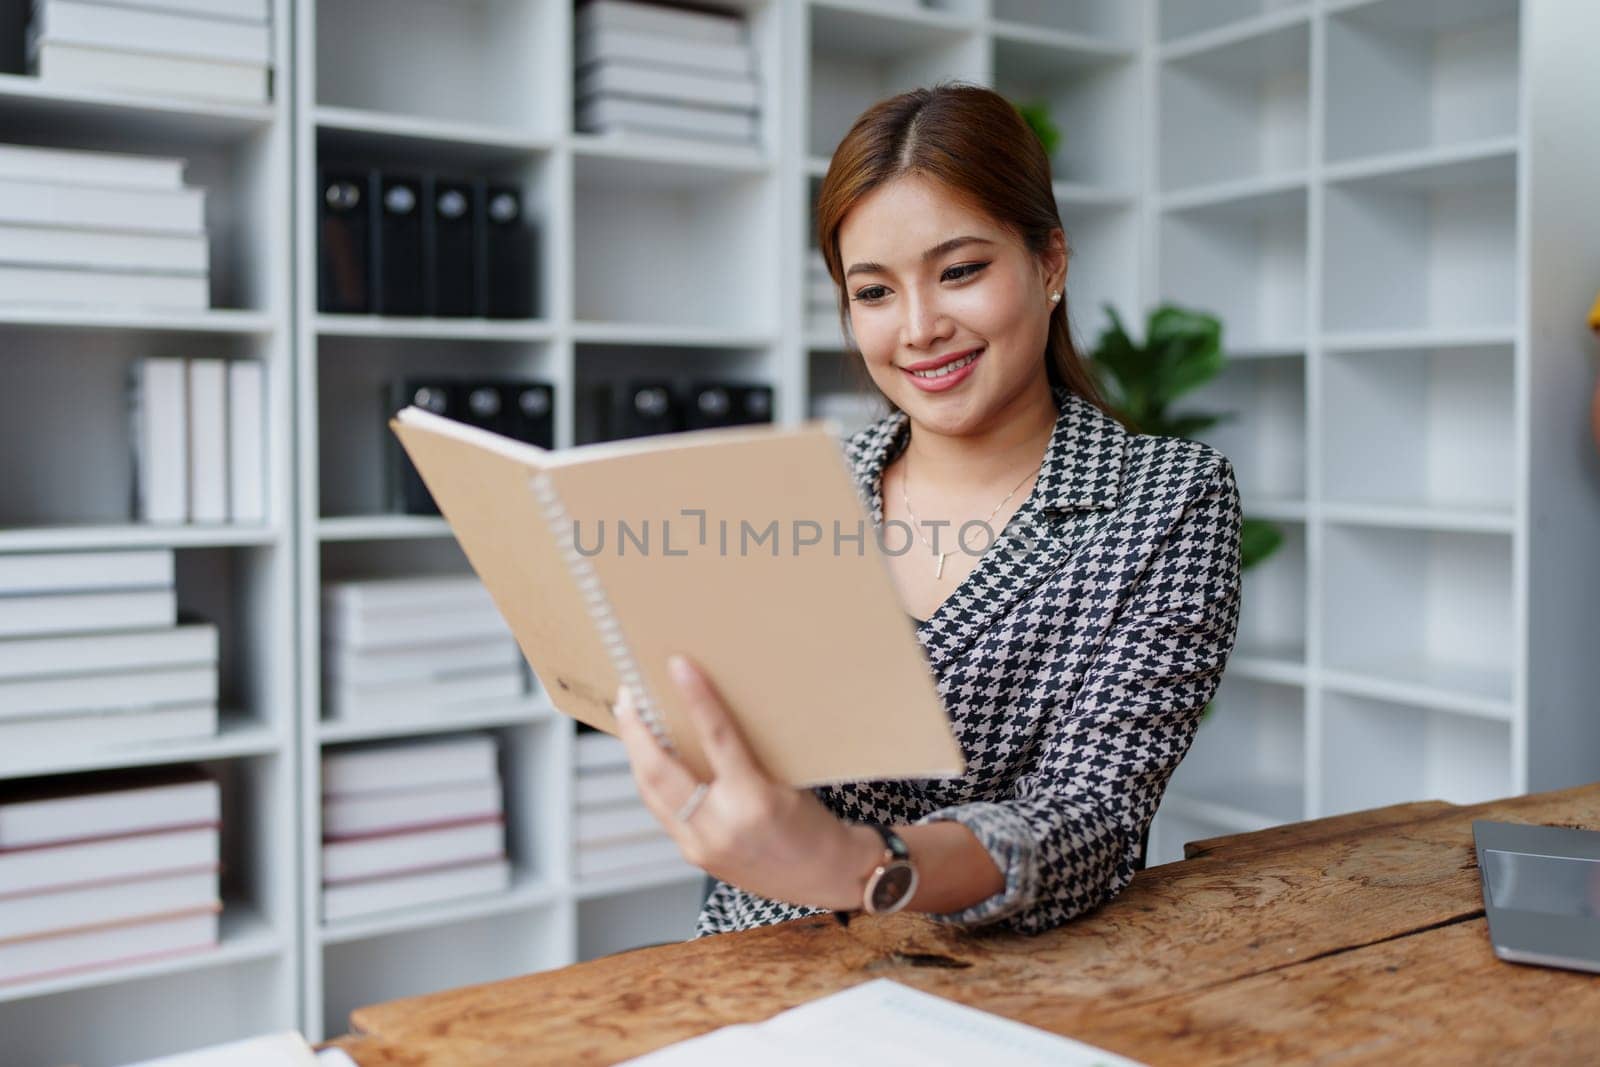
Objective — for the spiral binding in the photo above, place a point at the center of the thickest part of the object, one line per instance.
(599, 606)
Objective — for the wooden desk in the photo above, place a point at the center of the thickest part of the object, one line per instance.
(1359, 939)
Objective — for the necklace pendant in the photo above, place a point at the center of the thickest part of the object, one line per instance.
(939, 572)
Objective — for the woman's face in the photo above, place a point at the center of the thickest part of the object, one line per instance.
(931, 283)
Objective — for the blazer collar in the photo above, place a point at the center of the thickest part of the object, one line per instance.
(1082, 469)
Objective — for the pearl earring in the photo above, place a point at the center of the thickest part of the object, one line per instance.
(1055, 296)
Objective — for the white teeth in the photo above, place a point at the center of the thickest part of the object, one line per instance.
(948, 368)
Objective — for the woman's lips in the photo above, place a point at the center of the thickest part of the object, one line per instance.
(948, 380)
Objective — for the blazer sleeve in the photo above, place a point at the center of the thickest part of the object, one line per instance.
(1068, 836)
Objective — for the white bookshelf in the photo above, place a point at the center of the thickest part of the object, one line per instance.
(1421, 633)
(68, 484)
(1385, 213)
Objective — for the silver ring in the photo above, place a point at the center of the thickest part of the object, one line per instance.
(692, 805)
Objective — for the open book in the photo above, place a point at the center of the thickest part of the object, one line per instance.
(720, 544)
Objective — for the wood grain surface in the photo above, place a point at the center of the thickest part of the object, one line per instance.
(1353, 940)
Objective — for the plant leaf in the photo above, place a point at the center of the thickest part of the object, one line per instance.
(1258, 539)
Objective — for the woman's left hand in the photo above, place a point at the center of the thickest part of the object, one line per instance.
(758, 834)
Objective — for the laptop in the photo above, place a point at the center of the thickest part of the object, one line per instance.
(1541, 891)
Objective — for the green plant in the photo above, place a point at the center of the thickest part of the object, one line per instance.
(1037, 114)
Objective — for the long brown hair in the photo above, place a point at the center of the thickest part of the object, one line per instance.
(973, 141)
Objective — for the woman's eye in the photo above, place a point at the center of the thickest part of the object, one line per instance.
(965, 270)
(870, 293)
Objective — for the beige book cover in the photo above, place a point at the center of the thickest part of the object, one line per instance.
(720, 544)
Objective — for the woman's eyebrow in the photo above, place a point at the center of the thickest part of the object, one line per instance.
(933, 253)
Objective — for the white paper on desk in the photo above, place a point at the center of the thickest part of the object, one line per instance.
(882, 1024)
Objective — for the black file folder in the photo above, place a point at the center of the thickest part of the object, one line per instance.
(507, 243)
(407, 493)
(530, 412)
(344, 237)
(714, 404)
(636, 408)
(397, 246)
(450, 240)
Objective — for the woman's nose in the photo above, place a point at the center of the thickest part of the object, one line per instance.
(925, 323)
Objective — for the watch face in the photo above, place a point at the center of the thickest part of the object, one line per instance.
(893, 887)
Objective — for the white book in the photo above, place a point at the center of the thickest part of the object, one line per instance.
(402, 765)
(77, 166)
(401, 699)
(605, 113)
(36, 870)
(126, 803)
(412, 852)
(727, 57)
(77, 907)
(628, 857)
(355, 667)
(371, 813)
(238, 10)
(247, 443)
(78, 613)
(599, 788)
(379, 597)
(160, 32)
(600, 16)
(53, 287)
(78, 67)
(128, 943)
(208, 441)
(733, 92)
(188, 645)
(408, 891)
(149, 253)
(597, 751)
(158, 402)
(39, 203)
(118, 691)
(85, 572)
(416, 628)
(604, 825)
(25, 743)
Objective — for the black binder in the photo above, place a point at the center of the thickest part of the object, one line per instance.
(713, 404)
(506, 240)
(754, 404)
(407, 493)
(344, 265)
(397, 246)
(450, 247)
(530, 412)
(636, 408)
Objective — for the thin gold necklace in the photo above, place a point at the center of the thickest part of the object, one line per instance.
(938, 572)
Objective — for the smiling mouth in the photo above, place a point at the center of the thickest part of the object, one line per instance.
(947, 368)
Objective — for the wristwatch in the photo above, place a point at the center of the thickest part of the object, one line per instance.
(892, 883)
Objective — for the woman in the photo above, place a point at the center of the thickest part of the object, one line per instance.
(1074, 655)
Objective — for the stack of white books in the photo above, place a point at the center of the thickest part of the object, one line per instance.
(614, 834)
(199, 441)
(401, 649)
(209, 49)
(99, 873)
(85, 228)
(92, 656)
(410, 823)
(655, 69)
(822, 296)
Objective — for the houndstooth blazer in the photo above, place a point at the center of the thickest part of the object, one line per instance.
(1074, 661)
